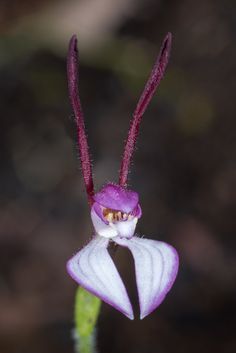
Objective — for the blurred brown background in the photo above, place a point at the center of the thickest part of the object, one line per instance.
(184, 166)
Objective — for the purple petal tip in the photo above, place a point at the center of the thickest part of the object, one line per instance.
(93, 268)
(156, 267)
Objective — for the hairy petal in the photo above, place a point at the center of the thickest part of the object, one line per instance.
(72, 73)
(93, 268)
(156, 267)
(149, 90)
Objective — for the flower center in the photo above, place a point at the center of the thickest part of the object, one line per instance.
(116, 216)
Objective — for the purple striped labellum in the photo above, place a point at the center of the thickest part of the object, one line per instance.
(115, 211)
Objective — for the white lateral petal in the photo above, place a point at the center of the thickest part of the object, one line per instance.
(156, 267)
(101, 228)
(93, 268)
(126, 229)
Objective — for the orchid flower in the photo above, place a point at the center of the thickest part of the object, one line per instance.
(115, 210)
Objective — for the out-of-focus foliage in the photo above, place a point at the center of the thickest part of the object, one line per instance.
(184, 166)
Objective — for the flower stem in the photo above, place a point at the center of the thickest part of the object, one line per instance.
(87, 308)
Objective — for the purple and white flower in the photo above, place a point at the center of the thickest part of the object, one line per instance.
(115, 211)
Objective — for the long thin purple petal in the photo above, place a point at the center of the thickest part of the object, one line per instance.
(149, 90)
(72, 73)
(93, 268)
(156, 267)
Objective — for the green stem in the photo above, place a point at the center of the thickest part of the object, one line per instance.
(85, 344)
(87, 308)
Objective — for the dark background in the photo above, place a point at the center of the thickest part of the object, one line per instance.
(184, 166)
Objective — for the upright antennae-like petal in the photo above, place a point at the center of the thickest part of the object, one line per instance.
(93, 268)
(149, 90)
(72, 73)
(156, 267)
